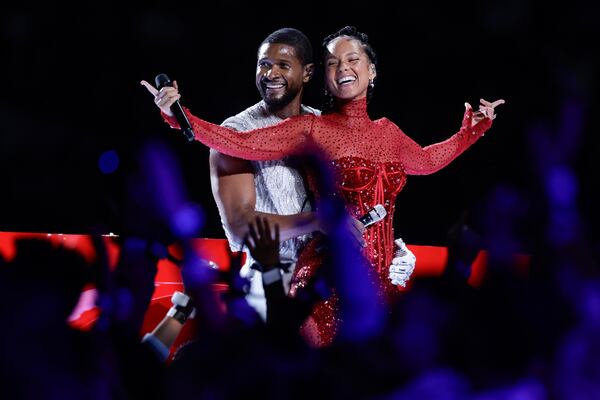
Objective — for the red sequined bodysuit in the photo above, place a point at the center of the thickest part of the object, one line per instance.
(371, 160)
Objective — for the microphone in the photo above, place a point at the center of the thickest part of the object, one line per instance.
(163, 80)
(373, 216)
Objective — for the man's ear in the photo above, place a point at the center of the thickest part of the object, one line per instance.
(309, 70)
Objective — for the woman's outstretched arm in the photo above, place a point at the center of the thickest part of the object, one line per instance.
(271, 143)
(419, 160)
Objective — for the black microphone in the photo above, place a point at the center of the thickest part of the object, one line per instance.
(374, 215)
(163, 80)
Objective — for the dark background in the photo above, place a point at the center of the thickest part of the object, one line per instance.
(71, 92)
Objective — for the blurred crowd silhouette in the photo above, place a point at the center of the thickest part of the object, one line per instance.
(531, 334)
(525, 333)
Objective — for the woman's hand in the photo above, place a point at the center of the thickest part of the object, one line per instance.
(165, 97)
(403, 264)
(486, 110)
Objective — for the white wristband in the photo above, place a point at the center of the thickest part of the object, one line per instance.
(171, 312)
(180, 299)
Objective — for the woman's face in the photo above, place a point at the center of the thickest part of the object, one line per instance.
(348, 69)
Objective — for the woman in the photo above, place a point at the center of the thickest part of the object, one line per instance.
(371, 159)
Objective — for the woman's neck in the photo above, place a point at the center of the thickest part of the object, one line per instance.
(352, 108)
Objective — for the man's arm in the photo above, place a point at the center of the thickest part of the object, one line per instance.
(232, 182)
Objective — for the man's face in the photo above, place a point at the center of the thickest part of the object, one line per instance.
(280, 75)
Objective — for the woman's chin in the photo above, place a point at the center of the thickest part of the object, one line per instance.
(350, 97)
(345, 96)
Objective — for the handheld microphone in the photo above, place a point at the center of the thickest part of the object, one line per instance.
(163, 80)
(373, 216)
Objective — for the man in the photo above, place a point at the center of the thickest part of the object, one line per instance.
(244, 190)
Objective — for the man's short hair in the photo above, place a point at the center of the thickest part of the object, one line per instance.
(296, 39)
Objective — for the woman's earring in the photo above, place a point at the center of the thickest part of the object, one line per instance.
(371, 83)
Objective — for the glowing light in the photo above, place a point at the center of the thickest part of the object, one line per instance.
(108, 162)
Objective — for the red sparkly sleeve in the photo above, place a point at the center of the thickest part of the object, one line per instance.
(172, 121)
(271, 143)
(419, 160)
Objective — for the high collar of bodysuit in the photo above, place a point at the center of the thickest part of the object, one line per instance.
(354, 108)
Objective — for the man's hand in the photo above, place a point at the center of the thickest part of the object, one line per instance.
(403, 264)
(165, 97)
